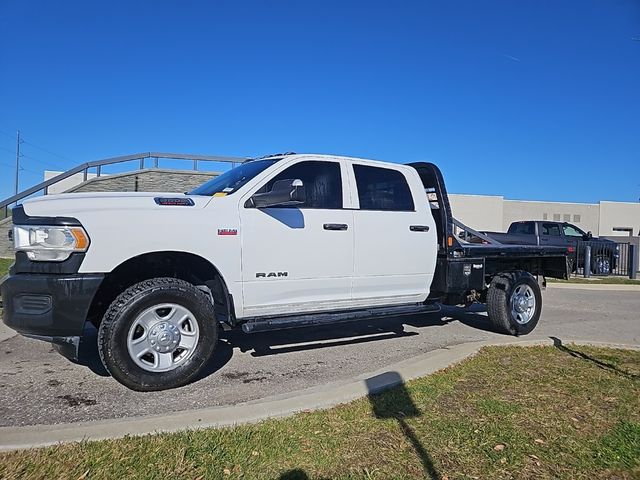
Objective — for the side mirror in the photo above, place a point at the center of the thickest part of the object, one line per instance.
(283, 193)
(588, 236)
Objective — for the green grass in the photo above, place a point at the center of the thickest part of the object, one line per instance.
(509, 412)
(598, 280)
(5, 263)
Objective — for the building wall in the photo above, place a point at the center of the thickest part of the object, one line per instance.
(584, 215)
(480, 212)
(494, 213)
(619, 215)
(66, 184)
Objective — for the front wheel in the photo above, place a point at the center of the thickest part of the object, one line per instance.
(158, 334)
(514, 302)
(601, 265)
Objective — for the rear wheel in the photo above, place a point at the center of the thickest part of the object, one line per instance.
(514, 302)
(158, 334)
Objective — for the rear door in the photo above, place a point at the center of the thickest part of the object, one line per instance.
(395, 236)
(523, 233)
(551, 234)
(299, 258)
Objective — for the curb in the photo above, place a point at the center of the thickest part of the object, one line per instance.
(595, 286)
(324, 396)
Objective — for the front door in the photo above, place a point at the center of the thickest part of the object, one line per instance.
(299, 258)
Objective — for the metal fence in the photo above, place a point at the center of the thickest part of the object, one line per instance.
(603, 259)
(140, 158)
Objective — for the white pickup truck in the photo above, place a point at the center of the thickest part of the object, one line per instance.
(278, 242)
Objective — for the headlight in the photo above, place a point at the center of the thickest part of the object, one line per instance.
(52, 244)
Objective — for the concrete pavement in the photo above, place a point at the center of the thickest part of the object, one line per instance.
(595, 286)
(325, 396)
(38, 387)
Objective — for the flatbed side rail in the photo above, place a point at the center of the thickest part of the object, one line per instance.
(473, 232)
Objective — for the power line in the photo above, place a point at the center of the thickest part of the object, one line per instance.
(22, 169)
(42, 162)
(23, 140)
(47, 151)
(22, 155)
(7, 134)
(18, 142)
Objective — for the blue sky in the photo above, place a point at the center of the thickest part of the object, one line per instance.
(526, 99)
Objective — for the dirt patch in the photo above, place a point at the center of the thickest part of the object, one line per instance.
(77, 401)
(248, 377)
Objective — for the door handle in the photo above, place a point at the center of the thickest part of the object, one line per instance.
(335, 226)
(419, 228)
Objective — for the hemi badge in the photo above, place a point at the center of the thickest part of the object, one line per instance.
(227, 231)
(174, 202)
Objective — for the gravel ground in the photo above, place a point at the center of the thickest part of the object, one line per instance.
(38, 386)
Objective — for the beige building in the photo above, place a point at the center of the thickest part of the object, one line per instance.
(495, 213)
(66, 184)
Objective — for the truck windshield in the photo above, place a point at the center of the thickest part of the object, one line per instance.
(234, 179)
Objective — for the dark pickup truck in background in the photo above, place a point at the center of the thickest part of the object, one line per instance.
(604, 253)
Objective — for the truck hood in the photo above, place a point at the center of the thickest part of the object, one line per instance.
(72, 204)
(603, 240)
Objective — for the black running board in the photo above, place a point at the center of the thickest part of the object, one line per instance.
(325, 318)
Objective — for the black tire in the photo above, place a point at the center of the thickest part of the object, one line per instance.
(500, 307)
(123, 311)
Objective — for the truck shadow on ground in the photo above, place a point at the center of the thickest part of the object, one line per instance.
(313, 338)
(348, 333)
(472, 316)
(310, 338)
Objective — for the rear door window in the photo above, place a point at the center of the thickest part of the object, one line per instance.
(522, 228)
(551, 229)
(382, 189)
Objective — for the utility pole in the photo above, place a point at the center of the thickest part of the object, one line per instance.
(17, 159)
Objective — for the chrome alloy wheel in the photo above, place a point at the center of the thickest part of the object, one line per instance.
(163, 337)
(523, 304)
(603, 266)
